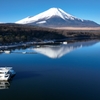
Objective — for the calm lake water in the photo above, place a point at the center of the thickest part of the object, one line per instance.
(62, 72)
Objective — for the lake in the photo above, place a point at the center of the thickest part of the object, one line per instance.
(53, 72)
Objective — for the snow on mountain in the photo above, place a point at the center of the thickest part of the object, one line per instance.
(54, 17)
(61, 50)
(46, 15)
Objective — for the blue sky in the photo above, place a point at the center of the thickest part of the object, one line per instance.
(14, 10)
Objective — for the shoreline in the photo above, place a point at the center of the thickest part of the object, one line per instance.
(77, 28)
(51, 42)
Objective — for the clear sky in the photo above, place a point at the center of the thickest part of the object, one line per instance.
(14, 10)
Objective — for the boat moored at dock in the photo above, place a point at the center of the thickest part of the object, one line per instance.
(6, 73)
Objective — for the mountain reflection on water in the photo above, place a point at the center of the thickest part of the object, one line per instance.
(52, 51)
(60, 50)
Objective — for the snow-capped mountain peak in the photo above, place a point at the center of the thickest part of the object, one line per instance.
(55, 17)
(46, 15)
(59, 12)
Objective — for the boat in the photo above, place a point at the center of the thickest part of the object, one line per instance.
(7, 51)
(6, 73)
(64, 42)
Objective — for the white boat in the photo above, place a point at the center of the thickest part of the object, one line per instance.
(64, 42)
(6, 73)
(7, 51)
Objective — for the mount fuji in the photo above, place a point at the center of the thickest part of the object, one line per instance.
(56, 17)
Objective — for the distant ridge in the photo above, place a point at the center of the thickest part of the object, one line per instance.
(56, 17)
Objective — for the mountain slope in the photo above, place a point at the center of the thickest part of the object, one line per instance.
(55, 17)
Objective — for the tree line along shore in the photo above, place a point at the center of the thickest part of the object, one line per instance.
(15, 33)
